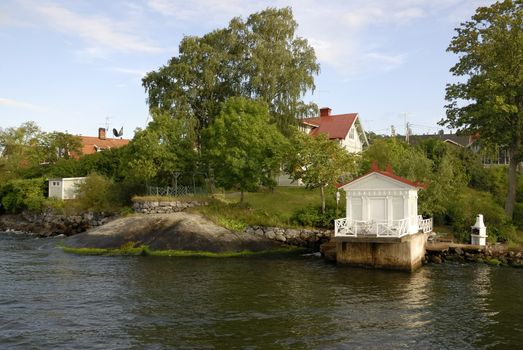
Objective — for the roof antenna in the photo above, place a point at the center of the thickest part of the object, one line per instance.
(107, 119)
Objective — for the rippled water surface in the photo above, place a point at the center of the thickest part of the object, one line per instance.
(53, 300)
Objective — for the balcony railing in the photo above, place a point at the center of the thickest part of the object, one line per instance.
(346, 227)
(425, 225)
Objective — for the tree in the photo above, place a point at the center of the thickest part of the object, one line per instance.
(243, 148)
(490, 101)
(59, 145)
(319, 162)
(165, 147)
(432, 162)
(260, 58)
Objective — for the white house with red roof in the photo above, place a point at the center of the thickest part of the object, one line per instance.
(381, 204)
(343, 128)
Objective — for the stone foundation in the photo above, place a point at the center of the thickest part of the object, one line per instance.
(310, 238)
(164, 207)
(406, 253)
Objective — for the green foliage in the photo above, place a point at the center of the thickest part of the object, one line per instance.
(232, 224)
(313, 216)
(166, 146)
(319, 162)
(25, 149)
(97, 193)
(131, 249)
(463, 211)
(19, 195)
(432, 162)
(260, 58)
(490, 101)
(243, 149)
(407, 161)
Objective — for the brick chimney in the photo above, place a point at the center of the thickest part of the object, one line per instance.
(101, 133)
(325, 112)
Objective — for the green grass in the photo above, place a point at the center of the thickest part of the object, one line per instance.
(130, 250)
(262, 208)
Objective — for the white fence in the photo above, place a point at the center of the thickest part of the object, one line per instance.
(347, 227)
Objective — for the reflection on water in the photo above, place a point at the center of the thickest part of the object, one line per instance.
(49, 299)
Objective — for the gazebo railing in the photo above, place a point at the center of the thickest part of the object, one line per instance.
(346, 227)
(425, 225)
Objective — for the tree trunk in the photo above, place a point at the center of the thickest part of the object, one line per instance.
(512, 183)
(322, 199)
(241, 196)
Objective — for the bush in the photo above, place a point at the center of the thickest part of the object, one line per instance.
(98, 194)
(462, 215)
(313, 217)
(19, 195)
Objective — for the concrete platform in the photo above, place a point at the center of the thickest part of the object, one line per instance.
(405, 253)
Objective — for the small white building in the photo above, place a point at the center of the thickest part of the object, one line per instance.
(381, 204)
(64, 188)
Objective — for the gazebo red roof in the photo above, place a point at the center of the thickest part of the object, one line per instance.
(388, 172)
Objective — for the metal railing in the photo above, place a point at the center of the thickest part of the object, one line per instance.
(174, 191)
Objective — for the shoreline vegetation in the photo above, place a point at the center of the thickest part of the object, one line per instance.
(130, 249)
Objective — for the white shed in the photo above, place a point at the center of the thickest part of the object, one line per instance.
(64, 188)
(381, 204)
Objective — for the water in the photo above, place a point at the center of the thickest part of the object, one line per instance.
(53, 300)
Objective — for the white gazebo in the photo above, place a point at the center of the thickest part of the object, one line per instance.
(381, 204)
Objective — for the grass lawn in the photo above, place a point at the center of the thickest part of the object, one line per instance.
(262, 208)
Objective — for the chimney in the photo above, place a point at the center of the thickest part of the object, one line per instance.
(101, 133)
(325, 112)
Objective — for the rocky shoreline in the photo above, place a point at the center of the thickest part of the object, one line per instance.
(308, 238)
(49, 224)
(175, 231)
(496, 255)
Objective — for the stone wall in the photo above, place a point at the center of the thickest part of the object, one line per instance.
(310, 238)
(164, 207)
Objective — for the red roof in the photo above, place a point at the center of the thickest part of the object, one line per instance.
(335, 126)
(91, 144)
(388, 173)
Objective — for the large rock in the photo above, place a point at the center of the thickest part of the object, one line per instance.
(179, 231)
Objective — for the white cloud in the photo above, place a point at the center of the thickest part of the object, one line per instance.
(101, 33)
(136, 72)
(21, 105)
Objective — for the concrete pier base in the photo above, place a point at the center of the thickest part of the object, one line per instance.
(405, 253)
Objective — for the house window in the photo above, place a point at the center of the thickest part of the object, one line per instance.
(351, 133)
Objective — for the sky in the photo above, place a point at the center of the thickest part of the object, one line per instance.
(76, 65)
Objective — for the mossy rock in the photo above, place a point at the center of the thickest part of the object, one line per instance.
(493, 262)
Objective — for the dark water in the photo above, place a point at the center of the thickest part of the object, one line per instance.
(53, 300)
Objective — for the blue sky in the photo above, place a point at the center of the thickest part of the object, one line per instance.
(69, 65)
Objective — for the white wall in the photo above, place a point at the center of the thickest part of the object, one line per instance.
(65, 188)
(352, 143)
(55, 188)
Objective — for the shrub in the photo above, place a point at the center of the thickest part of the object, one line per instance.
(23, 194)
(97, 194)
(313, 217)
(462, 215)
